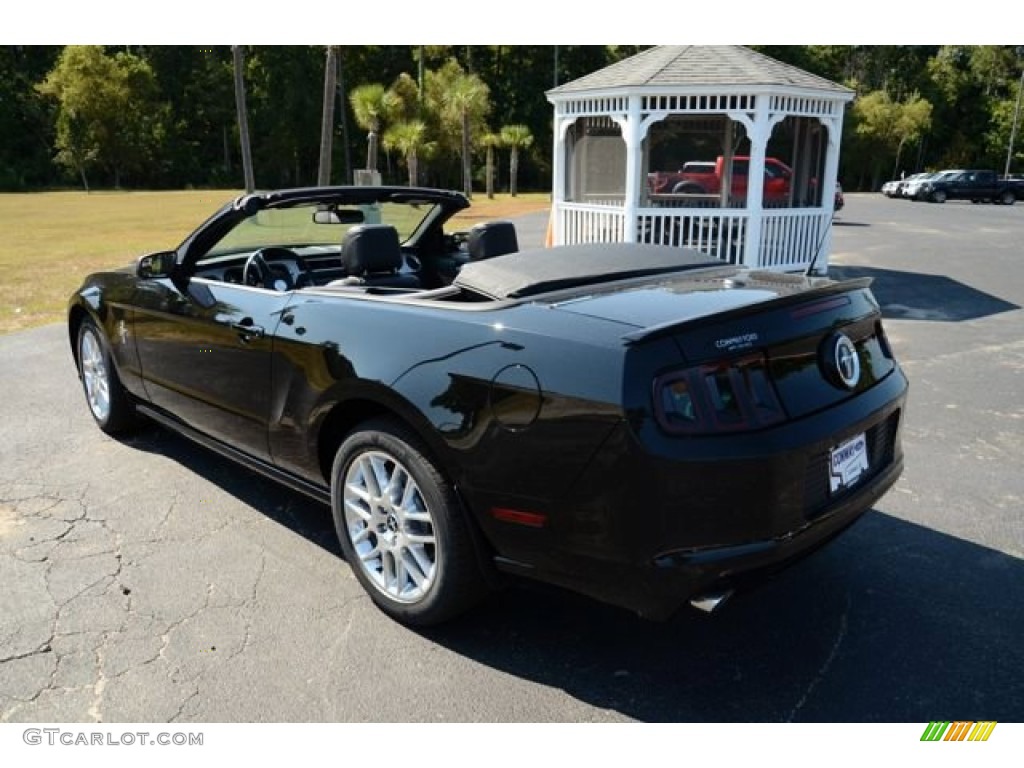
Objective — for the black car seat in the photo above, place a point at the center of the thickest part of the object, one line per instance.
(491, 238)
(372, 256)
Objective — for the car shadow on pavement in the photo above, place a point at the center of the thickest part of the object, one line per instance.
(892, 622)
(919, 296)
(291, 509)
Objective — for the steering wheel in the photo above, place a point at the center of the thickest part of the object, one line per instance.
(258, 273)
(256, 270)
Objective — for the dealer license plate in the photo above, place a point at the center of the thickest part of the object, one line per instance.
(847, 462)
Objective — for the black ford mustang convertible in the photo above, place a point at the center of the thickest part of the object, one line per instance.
(635, 422)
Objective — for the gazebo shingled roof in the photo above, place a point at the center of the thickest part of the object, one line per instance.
(697, 65)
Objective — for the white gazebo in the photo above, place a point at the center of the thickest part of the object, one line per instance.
(658, 148)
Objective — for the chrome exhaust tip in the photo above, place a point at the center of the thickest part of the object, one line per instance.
(709, 602)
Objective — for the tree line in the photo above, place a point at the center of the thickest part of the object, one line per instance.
(464, 117)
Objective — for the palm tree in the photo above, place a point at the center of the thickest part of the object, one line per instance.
(490, 141)
(466, 98)
(408, 138)
(515, 137)
(243, 117)
(327, 120)
(372, 104)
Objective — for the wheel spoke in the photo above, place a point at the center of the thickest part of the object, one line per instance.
(420, 539)
(371, 554)
(381, 475)
(357, 490)
(415, 569)
(358, 507)
(409, 490)
(401, 573)
(368, 475)
(387, 571)
(423, 563)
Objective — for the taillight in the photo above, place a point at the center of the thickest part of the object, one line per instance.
(883, 341)
(730, 396)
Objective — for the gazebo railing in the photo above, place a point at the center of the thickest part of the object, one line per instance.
(601, 222)
(791, 237)
(718, 232)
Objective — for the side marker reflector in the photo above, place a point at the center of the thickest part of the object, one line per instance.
(519, 517)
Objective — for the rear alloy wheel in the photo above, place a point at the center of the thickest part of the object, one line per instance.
(1007, 198)
(938, 196)
(109, 404)
(401, 526)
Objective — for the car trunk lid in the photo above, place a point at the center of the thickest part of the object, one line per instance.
(786, 324)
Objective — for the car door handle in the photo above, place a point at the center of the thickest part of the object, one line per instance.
(247, 330)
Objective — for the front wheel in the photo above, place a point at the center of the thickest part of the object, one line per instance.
(401, 526)
(109, 403)
(938, 196)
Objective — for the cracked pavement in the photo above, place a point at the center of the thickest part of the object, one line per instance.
(147, 580)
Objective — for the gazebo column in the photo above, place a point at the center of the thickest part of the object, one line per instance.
(632, 134)
(759, 131)
(559, 162)
(834, 128)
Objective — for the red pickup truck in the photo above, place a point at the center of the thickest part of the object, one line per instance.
(705, 177)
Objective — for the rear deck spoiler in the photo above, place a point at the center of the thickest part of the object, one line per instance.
(830, 288)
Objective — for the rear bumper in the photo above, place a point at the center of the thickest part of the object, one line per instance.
(691, 573)
(657, 589)
(651, 533)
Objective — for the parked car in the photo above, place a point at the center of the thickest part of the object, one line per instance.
(910, 182)
(976, 186)
(705, 178)
(636, 422)
(912, 188)
(891, 188)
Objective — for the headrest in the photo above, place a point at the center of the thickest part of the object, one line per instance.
(491, 238)
(370, 248)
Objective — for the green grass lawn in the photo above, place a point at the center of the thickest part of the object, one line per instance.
(52, 240)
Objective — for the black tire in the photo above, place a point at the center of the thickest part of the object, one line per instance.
(1007, 197)
(689, 188)
(939, 196)
(109, 403)
(410, 547)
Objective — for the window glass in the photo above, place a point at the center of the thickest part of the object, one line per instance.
(295, 227)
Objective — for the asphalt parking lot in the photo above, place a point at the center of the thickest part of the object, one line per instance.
(148, 580)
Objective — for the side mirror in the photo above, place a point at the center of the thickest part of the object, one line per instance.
(153, 266)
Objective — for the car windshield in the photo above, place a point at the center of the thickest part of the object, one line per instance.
(314, 225)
